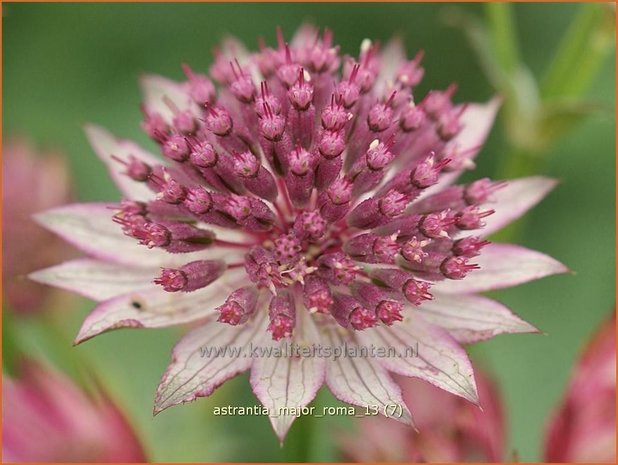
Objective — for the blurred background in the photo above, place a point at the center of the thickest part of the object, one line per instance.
(68, 64)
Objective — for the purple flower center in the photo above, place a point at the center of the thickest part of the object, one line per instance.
(322, 174)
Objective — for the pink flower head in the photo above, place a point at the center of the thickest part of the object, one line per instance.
(33, 182)
(48, 418)
(449, 429)
(584, 427)
(321, 198)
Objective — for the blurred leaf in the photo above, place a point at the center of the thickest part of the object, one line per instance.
(534, 131)
(534, 120)
(559, 117)
(585, 45)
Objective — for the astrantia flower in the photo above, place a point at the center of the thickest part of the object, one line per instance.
(584, 427)
(303, 196)
(46, 417)
(33, 182)
(449, 429)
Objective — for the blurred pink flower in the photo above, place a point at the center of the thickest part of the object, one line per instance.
(317, 210)
(46, 417)
(584, 427)
(449, 429)
(32, 182)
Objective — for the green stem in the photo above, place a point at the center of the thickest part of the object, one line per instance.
(503, 34)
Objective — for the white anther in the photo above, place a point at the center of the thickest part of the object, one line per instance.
(365, 45)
